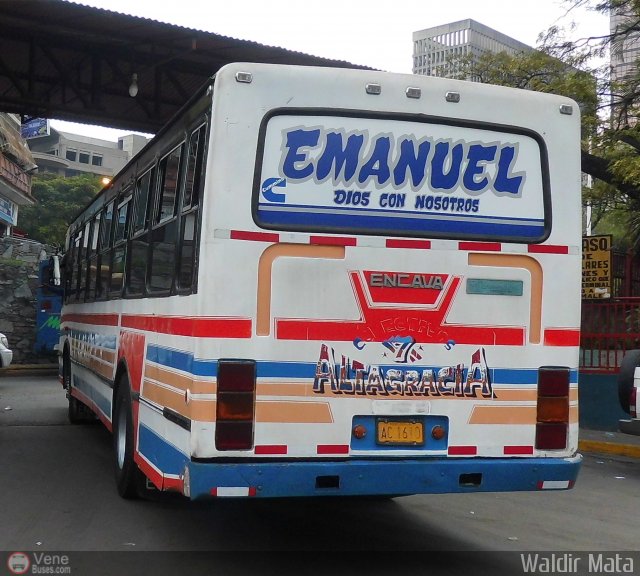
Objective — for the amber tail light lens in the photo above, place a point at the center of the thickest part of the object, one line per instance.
(235, 404)
(552, 420)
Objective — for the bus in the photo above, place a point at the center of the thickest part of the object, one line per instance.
(48, 307)
(335, 282)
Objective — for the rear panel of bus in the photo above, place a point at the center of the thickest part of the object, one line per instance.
(389, 273)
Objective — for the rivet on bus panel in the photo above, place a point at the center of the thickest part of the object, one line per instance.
(452, 97)
(245, 77)
(374, 89)
(413, 92)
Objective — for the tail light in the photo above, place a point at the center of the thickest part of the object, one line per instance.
(633, 403)
(235, 404)
(552, 421)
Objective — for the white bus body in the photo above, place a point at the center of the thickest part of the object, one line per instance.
(386, 298)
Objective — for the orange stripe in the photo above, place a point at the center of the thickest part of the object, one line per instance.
(263, 312)
(179, 381)
(503, 415)
(511, 415)
(202, 410)
(284, 389)
(294, 412)
(535, 270)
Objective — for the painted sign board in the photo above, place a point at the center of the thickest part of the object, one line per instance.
(596, 267)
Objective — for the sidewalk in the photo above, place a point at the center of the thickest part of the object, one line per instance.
(612, 443)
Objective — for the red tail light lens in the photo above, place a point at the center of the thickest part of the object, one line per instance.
(552, 421)
(235, 404)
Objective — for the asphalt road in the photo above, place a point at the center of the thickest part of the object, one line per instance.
(57, 493)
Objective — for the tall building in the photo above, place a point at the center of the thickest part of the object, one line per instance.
(624, 55)
(16, 167)
(436, 49)
(68, 154)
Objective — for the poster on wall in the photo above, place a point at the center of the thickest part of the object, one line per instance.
(596, 267)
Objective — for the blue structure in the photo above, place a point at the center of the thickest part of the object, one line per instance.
(48, 305)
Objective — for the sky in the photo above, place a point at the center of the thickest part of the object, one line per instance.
(376, 34)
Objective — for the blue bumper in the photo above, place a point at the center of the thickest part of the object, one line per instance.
(381, 477)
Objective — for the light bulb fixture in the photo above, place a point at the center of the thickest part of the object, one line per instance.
(133, 87)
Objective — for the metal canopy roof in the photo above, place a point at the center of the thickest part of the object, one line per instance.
(74, 62)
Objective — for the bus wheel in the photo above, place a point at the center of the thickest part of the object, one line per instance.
(129, 478)
(625, 378)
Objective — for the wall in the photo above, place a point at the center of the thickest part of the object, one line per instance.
(19, 282)
(599, 406)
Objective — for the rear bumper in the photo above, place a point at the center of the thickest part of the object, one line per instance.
(387, 477)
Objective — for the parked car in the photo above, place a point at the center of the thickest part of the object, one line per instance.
(628, 391)
(6, 354)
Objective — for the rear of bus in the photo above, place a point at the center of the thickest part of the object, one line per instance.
(393, 264)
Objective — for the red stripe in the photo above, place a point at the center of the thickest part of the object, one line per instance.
(149, 471)
(463, 450)
(275, 449)
(332, 241)
(486, 246)
(562, 337)
(517, 450)
(333, 449)
(410, 244)
(181, 326)
(174, 484)
(254, 236)
(97, 319)
(93, 406)
(548, 249)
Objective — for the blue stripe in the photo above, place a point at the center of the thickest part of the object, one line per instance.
(160, 453)
(185, 362)
(387, 225)
(381, 212)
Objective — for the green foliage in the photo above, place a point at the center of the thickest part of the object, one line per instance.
(610, 112)
(58, 200)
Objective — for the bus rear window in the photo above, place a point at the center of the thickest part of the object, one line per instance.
(391, 176)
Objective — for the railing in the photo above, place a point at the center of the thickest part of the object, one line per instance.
(608, 330)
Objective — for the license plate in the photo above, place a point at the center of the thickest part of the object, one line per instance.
(399, 433)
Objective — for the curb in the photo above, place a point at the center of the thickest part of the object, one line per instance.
(612, 448)
(28, 369)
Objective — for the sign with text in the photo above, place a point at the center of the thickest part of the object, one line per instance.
(596, 267)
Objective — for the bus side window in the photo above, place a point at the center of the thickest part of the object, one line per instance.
(138, 256)
(93, 258)
(119, 252)
(77, 263)
(194, 180)
(71, 276)
(164, 232)
(104, 256)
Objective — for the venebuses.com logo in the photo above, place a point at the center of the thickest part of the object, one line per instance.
(38, 563)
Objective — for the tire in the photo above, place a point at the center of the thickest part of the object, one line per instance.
(129, 479)
(625, 377)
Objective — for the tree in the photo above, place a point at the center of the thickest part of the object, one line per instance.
(58, 200)
(610, 111)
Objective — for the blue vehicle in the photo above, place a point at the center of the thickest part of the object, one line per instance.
(48, 306)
